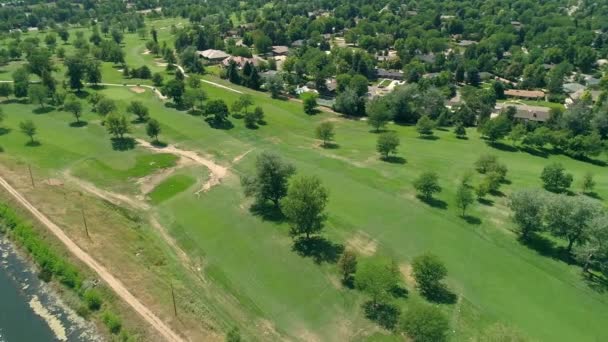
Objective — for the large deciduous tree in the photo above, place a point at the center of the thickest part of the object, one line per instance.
(270, 180)
(304, 205)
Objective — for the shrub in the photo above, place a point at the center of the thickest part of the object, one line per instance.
(112, 322)
(425, 323)
(93, 299)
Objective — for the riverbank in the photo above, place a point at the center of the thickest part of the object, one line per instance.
(31, 309)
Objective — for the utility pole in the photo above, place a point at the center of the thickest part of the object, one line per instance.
(84, 220)
(31, 176)
(173, 296)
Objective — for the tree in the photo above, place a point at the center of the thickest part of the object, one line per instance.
(6, 89)
(378, 113)
(527, 207)
(309, 101)
(588, 183)
(555, 178)
(105, 106)
(117, 125)
(269, 183)
(218, 109)
(75, 71)
(304, 205)
(74, 106)
(426, 185)
(377, 278)
(496, 129)
(425, 323)
(387, 143)
(28, 128)
(429, 271)
(517, 133)
(157, 79)
(274, 85)
(425, 126)
(139, 109)
(63, 34)
(350, 103)
(93, 71)
(464, 197)
(570, 217)
(254, 118)
(38, 93)
(460, 131)
(242, 103)
(348, 266)
(153, 129)
(21, 81)
(325, 131)
(175, 90)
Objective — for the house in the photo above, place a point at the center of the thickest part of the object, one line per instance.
(213, 55)
(465, 43)
(297, 43)
(526, 112)
(428, 58)
(573, 87)
(525, 94)
(241, 61)
(331, 85)
(268, 74)
(280, 50)
(390, 74)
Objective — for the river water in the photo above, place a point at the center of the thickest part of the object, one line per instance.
(29, 311)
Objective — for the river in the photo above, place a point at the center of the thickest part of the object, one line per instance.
(29, 310)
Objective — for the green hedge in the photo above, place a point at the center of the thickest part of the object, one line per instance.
(50, 264)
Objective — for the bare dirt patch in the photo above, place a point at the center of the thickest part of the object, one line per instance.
(408, 275)
(148, 183)
(217, 172)
(362, 244)
(146, 52)
(241, 156)
(112, 197)
(53, 182)
(138, 90)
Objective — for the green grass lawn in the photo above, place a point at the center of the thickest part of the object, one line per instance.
(534, 103)
(497, 278)
(171, 187)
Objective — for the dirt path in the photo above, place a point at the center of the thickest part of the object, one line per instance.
(115, 284)
(112, 197)
(217, 172)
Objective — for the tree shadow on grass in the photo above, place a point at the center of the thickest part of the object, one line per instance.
(503, 147)
(596, 283)
(34, 143)
(394, 160)
(318, 248)
(535, 152)
(433, 202)
(267, 211)
(78, 124)
(158, 143)
(399, 292)
(596, 162)
(123, 144)
(472, 219)
(442, 295)
(462, 137)
(4, 130)
(591, 194)
(43, 110)
(225, 124)
(547, 248)
(385, 314)
(81, 94)
(485, 201)
(330, 146)
(428, 137)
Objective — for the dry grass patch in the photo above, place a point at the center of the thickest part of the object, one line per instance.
(362, 243)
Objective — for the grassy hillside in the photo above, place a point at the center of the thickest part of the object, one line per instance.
(372, 209)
